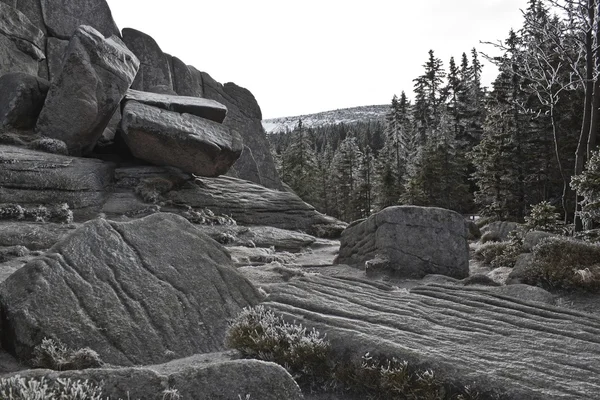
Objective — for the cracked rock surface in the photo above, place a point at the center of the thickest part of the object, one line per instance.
(138, 292)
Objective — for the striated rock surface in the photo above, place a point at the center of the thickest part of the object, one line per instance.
(203, 108)
(32, 177)
(413, 241)
(244, 115)
(22, 99)
(195, 145)
(492, 342)
(63, 17)
(95, 76)
(187, 80)
(55, 53)
(195, 378)
(141, 292)
(154, 69)
(247, 202)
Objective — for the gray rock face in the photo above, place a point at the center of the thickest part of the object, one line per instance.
(22, 44)
(22, 100)
(55, 53)
(33, 235)
(537, 351)
(140, 292)
(33, 10)
(193, 144)
(95, 76)
(416, 241)
(203, 108)
(30, 177)
(187, 81)
(63, 17)
(16, 26)
(154, 66)
(244, 115)
(195, 378)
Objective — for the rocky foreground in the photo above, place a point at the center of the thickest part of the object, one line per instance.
(141, 211)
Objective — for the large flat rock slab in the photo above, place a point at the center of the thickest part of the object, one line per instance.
(195, 145)
(29, 177)
(96, 73)
(195, 378)
(410, 242)
(138, 292)
(203, 108)
(491, 341)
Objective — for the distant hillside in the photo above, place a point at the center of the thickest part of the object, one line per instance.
(345, 115)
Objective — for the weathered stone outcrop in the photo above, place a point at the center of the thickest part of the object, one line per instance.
(22, 44)
(195, 378)
(154, 69)
(244, 115)
(195, 145)
(203, 108)
(140, 292)
(413, 241)
(32, 177)
(33, 235)
(187, 80)
(96, 74)
(247, 202)
(499, 230)
(63, 17)
(22, 99)
(471, 336)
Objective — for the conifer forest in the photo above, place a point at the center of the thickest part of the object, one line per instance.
(529, 139)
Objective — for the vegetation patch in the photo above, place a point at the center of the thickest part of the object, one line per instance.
(500, 254)
(60, 213)
(259, 333)
(564, 263)
(53, 354)
(18, 388)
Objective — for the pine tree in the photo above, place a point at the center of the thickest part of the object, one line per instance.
(346, 171)
(300, 164)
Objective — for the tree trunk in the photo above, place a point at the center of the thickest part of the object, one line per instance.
(580, 154)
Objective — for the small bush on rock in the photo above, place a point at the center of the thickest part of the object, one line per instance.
(151, 189)
(501, 254)
(49, 145)
(18, 388)
(53, 354)
(207, 217)
(564, 263)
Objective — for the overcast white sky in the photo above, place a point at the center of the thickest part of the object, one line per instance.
(300, 57)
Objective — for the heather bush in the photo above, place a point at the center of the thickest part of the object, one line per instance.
(150, 190)
(501, 254)
(53, 354)
(49, 145)
(565, 263)
(259, 333)
(18, 388)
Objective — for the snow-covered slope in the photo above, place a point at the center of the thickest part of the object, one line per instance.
(345, 115)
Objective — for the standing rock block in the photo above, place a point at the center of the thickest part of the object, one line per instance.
(140, 292)
(154, 66)
(22, 99)
(187, 81)
(55, 55)
(416, 241)
(193, 144)
(203, 108)
(63, 17)
(82, 99)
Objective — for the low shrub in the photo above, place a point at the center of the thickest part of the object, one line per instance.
(53, 354)
(49, 145)
(564, 263)
(54, 213)
(501, 254)
(18, 388)
(207, 217)
(259, 333)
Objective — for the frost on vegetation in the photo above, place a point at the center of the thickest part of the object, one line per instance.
(60, 213)
(501, 254)
(565, 263)
(207, 217)
(53, 354)
(18, 388)
(259, 333)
